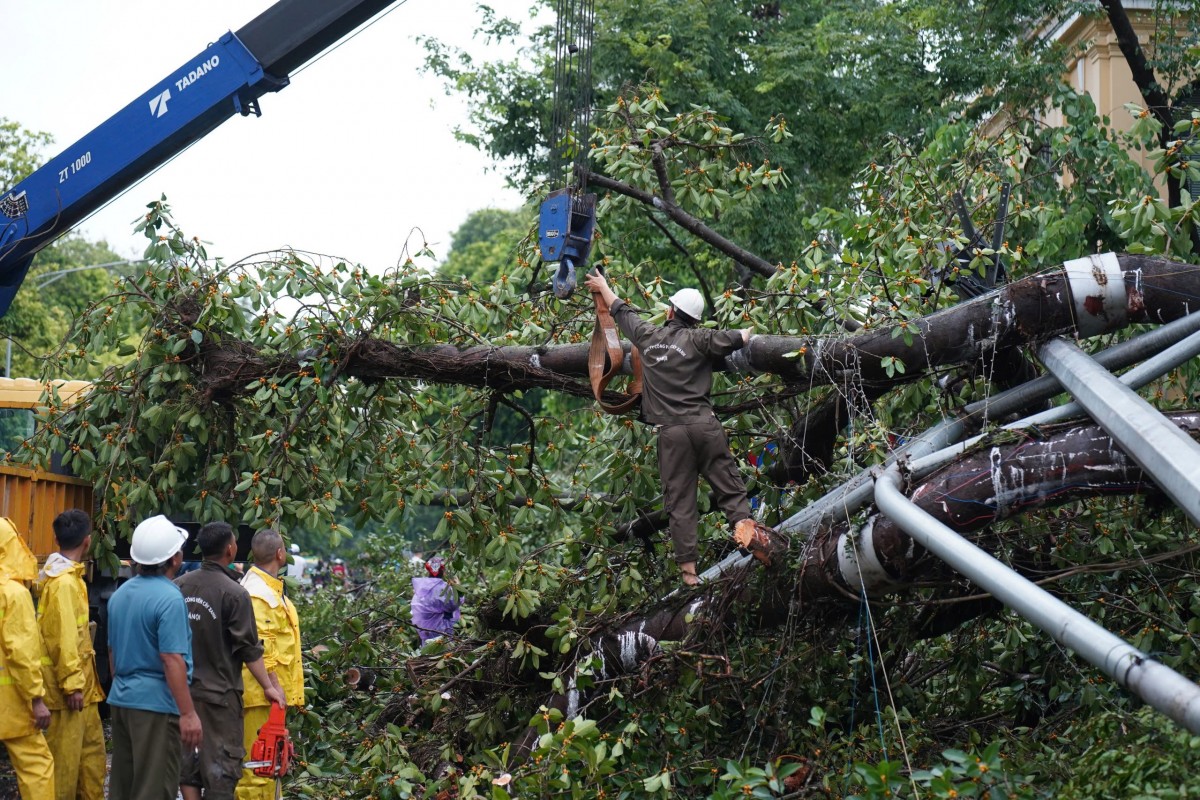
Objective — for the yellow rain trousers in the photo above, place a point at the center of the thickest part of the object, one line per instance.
(21, 655)
(251, 786)
(279, 629)
(76, 738)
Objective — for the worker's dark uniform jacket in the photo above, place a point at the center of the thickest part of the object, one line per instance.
(677, 379)
(224, 637)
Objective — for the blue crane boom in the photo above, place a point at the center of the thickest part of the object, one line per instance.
(227, 78)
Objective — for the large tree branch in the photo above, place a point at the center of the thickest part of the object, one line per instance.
(1157, 101)
(996, 481)
(1143, 74)
(687, 222)
(1153, 290)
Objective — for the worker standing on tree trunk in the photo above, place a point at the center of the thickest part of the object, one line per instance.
(224, 639)
(23, 711)
(73, 693)
(677, 375)
(279, 628)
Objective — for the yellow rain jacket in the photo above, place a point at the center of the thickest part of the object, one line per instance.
(279, 629)
(21, 650)
(63, 621)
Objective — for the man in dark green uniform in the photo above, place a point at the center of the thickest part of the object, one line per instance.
(677, 381)
(224, 637)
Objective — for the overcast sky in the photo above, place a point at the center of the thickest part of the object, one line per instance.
(345, 161)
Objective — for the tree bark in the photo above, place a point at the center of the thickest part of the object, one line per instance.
(995, 481)
(991, 483)
(1156, 291)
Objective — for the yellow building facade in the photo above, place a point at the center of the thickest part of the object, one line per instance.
(1098, 68)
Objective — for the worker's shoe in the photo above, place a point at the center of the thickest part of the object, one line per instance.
(754, 539)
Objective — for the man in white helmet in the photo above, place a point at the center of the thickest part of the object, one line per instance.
(677, 380)
(150, 657)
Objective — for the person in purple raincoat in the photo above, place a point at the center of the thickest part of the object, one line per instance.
(434, 604)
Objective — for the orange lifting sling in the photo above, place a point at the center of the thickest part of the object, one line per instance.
(606, 348)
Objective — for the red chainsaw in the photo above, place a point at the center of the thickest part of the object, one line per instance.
(272, 752)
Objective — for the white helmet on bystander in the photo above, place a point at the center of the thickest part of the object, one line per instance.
(155, 540)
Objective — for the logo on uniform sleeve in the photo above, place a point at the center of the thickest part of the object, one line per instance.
(158, 104)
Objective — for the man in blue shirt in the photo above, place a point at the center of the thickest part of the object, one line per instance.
(150, 657)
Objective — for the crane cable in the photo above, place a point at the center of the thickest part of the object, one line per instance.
(572, 110)
(567, 218)
(568, 215)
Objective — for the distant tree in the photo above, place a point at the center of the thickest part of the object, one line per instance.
(20, 151)
(485, 246)
(38, 320)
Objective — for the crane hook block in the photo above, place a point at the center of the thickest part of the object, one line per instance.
(566, 224)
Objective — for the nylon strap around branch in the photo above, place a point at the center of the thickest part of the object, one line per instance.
(605, 357)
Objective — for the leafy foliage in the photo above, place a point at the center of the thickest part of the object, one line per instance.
(845, 76)
(56, 290)
(486, 244)
(802, 703)
(20, 151)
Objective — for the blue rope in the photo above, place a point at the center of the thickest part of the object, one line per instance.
(864, 630)
(866, 615)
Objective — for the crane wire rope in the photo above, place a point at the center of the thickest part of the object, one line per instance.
(571, 113)
(345, 39)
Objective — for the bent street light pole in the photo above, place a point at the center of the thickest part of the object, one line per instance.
(852, 495)
(1149, 370)
(1159, 685)
(1166, 453)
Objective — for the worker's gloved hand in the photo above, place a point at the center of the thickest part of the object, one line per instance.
(753, 538)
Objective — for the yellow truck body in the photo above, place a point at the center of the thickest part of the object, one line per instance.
(32, 498)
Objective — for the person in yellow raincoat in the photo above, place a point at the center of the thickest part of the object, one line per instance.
(73, 693)
(279, 629)
(23, 711)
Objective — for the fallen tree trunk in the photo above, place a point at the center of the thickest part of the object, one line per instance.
(1014, 474)
(1083, 301)
(990, 483)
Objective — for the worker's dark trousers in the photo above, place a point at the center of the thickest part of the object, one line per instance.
(145, 754)
(686, 451)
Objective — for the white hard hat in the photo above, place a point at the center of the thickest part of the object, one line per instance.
(295, 548)
(155, 540)
(689, 301)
